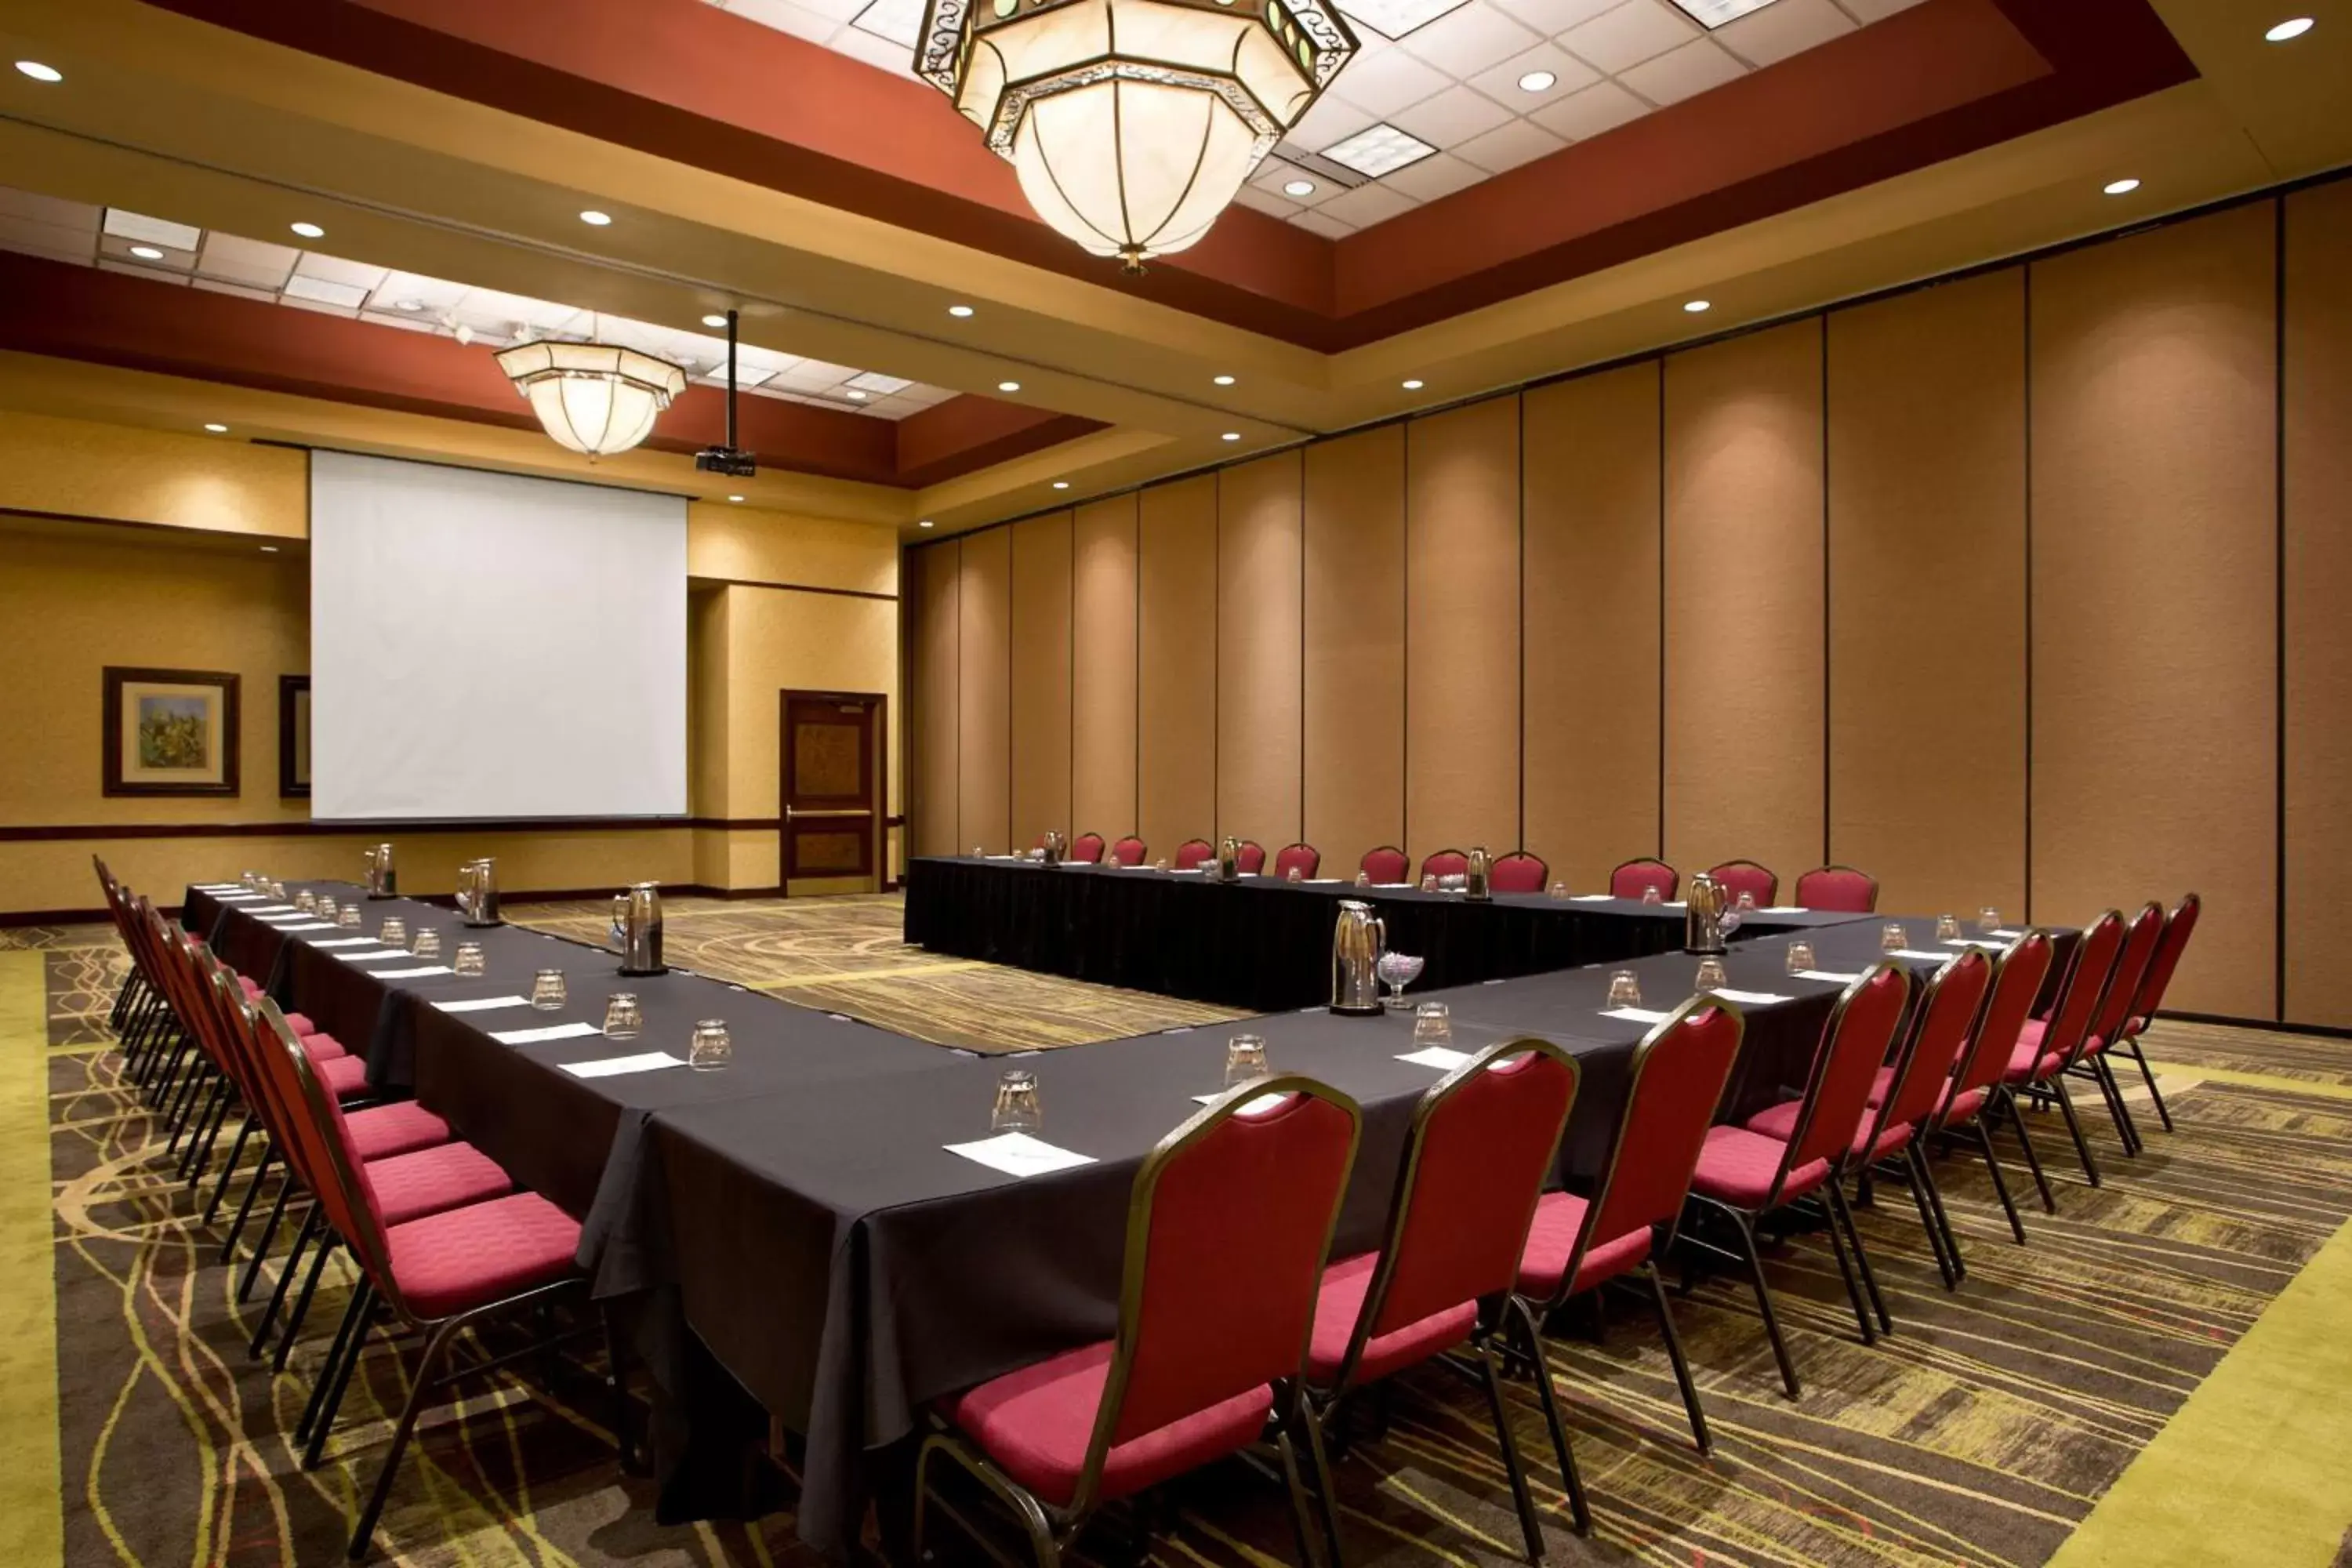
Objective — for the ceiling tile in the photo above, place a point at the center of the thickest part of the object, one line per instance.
(388, 319)
(1331, 120)
(1469, 40)
(1396, 18)
(152, 231)
(215, 286)
(881, 53)
(47, 238)
(1781, 29)
(1451, 118)
(1367, 204)
(1583, 115)
(900, 21)
(335, 269)
(1501, 82)
(120, 250)
(1713, 14)
(1551, 17)
(1386, 84)
(1275, 174)
(1684, 73)
(1869, 11)
(1633, 32)
(251, 261)
(433, 295)
(1508, 146)
(1263, 201)
(1323, 222)
(140, 269)
(494, 305)
(326, 307)
(51, 210)
(1439, 176)
(875, 381)
(815, 20)
(325, 291)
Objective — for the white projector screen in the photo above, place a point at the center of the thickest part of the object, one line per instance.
(489, 646)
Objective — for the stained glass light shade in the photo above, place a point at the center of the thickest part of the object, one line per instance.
(1132, 123)
(595, 398)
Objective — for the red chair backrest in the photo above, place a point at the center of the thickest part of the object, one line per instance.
(1519, 873)
(1306, 856)
(1386, 864)
(1087, 848)
(1484, 1139)
(1192, 851)
(1839, 889)
(1634, 878)
(1227, 1230)
(1678, 1074)
(1445, 863)
(2142, 938)
(2086, 982)
(1746, 877)
(2178, 929)
(1854, 1047)
(2016, 981)
(1127, 851)
(1251, 857)
(318, 1145)
(1948, 1009)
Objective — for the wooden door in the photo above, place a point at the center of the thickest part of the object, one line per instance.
(832, 815)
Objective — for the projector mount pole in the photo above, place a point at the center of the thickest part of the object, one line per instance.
(730, 379)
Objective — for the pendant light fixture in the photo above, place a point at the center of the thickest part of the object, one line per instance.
(596, 399)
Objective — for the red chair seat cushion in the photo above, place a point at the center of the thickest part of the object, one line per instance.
(251, 986)
(2030, 1063)
(1736, 1167)
(1780, 1122)
(1035, 1424)
(1966, 1106)
(1341, 1302)
(344, 1076)
(454, 1262)
(1558, 1217)
(321, 1048)
(381, 1131)
(301, 1025)
(432, 1181)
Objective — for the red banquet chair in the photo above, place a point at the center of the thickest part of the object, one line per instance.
(1837, 890)
(1483, 1139)
(1445, 863)
(1305, 857)
(1227, 1226)
(1250, 858)
(1087, 848)
(1758, 882)
(1193, 852)
(2045, 1049)
(1577, 1244)
(1976, 1089)
(1632, 878)
(1127, 851)
(2178, 928)
(2109, 1018)
(1518, 872)
(1744, 1175)
(1387, 865)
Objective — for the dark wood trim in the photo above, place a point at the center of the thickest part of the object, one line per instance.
(110, 778)
(288, 688)
(789, 587)
(879, 849)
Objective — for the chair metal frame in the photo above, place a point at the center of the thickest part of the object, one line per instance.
(1772, 888)
(1833, 866)
(2153, 985)
(1942, 1240)
(1983, 1051)
(2044, 1088)
(1674, 882)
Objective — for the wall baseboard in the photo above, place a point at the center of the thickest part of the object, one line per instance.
(2276, 1025)
(97, 916)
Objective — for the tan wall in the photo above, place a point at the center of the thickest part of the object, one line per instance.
(1040, 676)
(1989, 610)
(183, 590)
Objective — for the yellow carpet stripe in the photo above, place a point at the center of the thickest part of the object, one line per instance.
(32, 1519)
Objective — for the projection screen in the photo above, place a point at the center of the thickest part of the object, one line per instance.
(489, 646)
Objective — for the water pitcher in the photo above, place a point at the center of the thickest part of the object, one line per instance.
(1058, 847)
(1708, 918)
(382, 882)
(477, 892)
(1356, 944)
(1477, 877)
(1229, 859)
(638, 929)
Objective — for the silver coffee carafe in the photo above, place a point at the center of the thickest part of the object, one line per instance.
(1476, 879)
(382, 882)
(638, 929)
(1708, 919)
(1057, 846)
(1229, 859)
(477, 892)
(1356, 945)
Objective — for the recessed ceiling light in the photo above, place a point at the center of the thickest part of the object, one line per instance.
(924, 523)
(2121, 187)
(1413, 386)
(1223, 380)
(1698, 307)
(217, 429)
(1298, 188)
(854, 395)
(307, 230)
(1008, 386)
(737, 499)
(408, 304)
(1233, 435)
(595, 219)
(146, 253)
(1061, 484)
(958, 312)
(40, 72)
(1538, 82)
(714, 321)
(2292, 27)
(269, 550)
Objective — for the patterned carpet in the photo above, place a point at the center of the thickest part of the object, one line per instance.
(1982, 1433)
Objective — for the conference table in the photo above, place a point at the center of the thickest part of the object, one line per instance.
(791, 1236)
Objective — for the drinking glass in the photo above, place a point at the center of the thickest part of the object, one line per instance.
(326, 906)
(1801, 957)
(1651, 895)
(1988, 919)
(1428, 883)
(251, 880)
(1294, 874)
(306, 902)
(1894, 939)
(1363, 879)
(1948, 928)
(1711, 976)
(349, 918)
(623, 1019)
(1160, 864)
(277, 891)
(547, 993)
(1400, 970)
(1559, 891)
(393, 933)
(711, 1048)
(979, 852)
(1746, 901)
(427, 943)
(1625, 989)
(1432, 1025)
(1244, 1059)
(1016, 1109)
(470, 958)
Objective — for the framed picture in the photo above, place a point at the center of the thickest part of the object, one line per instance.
(170, 732)
(293, 734)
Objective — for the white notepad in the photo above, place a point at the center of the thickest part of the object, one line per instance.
(1780, 909)
(220, 887)
(1018, 1154)
(1835, 977)
(347, 942)
(1915, 953)
(1438, 1057)
(310, 925)
(375, 957)
(613, 1066)
(1751, 998)
(417, 973)
(1257, 1106)
(236, 898)
(1593, 899)
(551, 1032)
(273, 910)
(1983, 942)
(483, 1004)
(1637, 1014)
(2004, 931)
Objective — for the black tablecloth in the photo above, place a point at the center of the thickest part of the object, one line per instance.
(1262, 944)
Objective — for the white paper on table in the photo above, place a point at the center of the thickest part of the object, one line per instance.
(220, 887)
(1675, 904)
(1438, 1057)
(2004, 931)
(273, 910)
(422, 969)
(1781, 909)
(1593, 899)
(1321, 882)
(551, 1032)
(347, 942)
(1183, 871)
(613, 1066)
(1018, 1154)
(483, 1004)
(1395, 884)
(1751, 998)
(1257, 1106)
(1835, 977)
(1984, 941)
(1638, 1015)
(1915, 953)
(313, 925)
(236, 898)
(375, 957)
